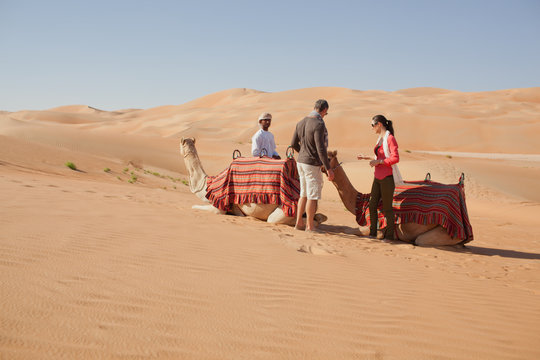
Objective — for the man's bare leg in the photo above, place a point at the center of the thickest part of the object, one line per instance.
(300, 209)
(311, 207)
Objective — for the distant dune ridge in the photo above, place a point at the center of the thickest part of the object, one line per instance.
(111, 261)
(494, 121)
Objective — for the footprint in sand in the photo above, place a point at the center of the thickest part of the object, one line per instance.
(285, 236)
(315, 250)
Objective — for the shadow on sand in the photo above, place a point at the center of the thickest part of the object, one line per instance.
(485, 251)
(466, 249)
(340, 230)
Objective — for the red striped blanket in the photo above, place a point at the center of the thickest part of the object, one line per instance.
(256, 180)
(424, 202)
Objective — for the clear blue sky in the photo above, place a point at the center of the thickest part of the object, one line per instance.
(140, 54)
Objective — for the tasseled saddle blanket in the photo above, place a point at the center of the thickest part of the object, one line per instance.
(424, 202)
(256, 180)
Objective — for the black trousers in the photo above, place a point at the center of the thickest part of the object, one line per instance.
(382, 189)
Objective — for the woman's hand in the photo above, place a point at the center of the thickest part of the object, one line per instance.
(373, 163)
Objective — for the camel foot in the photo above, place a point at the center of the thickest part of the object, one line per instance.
(319, 219)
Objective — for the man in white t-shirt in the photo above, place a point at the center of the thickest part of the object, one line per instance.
(264, 139)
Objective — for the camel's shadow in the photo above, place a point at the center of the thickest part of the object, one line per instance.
(351, 232)
(485, 251)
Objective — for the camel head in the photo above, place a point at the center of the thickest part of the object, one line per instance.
(187, 146)
(332, 157)
(197, 176)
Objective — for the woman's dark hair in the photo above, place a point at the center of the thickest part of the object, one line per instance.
(385, 122)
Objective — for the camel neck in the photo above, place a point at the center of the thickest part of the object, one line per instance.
(197, 175)
(345, 189)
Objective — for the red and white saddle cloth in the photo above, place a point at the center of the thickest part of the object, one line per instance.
(256, 180)
(424, 202)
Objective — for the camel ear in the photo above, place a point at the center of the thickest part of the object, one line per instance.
(186, 139)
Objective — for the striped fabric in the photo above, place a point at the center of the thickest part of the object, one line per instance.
(424, 202)
(256, 180)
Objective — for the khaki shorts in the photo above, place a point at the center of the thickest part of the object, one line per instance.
(311, 181)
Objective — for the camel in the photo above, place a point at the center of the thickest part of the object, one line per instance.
(271, 213)
(423, 235)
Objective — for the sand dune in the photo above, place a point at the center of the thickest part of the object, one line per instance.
(116, 264)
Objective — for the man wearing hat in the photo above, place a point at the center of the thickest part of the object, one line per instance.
(264, 139)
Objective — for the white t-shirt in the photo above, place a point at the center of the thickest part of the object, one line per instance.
(263, 140)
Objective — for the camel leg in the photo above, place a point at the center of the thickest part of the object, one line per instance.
(319, 218)
(202, 195)
(408, 232)
(436, 237)
(278, 217)
(259, 211)
(236, 211)
(210, 208)
(404, 234)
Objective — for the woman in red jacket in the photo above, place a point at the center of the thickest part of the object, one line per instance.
(386, 158)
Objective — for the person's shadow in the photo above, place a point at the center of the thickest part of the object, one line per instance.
(340, 230)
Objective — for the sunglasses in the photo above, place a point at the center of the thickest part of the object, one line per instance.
(373, 124)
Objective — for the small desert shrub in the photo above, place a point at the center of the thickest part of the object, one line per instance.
(71, 165)
(126, 170)
(408, 151)
(185, 182)
(449, 156)
(107, 170)
(119, 178)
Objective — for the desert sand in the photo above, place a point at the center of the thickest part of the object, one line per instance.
(116, 264)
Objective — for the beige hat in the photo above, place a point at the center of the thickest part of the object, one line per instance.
(265, 116)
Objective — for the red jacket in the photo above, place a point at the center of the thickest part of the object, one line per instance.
(384, 170)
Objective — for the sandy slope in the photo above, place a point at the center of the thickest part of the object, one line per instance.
(95, 267)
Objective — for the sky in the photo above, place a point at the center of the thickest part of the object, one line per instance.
(140, 54)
